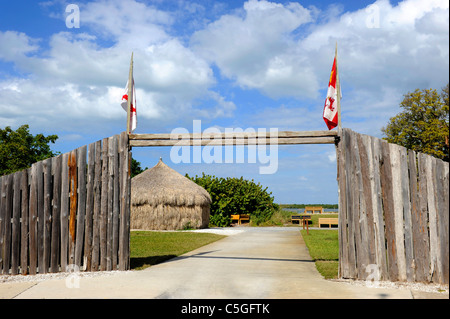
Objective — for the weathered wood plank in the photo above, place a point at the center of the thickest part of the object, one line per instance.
(227, 135)
(116, 204)
(125, 185)
(342, 220)
(56, 214)
(423, 251)
(73, 205)
(2, 218)
(364, 146)
(9, 181)
(89, 206)
(352, 270)
(109, 223)
(358, 210)
(407, 222)
(443, 196)
(40, 216)
(65, 210)
(380, 243)
(33, 215)
(223, 142)
(97, 205)
(441, 218)
(15, 240)
(47, 171)
(417, 227)
(24, 224)
(433, 221)
(394, 151)
(388, 208)
(81, 205)
(104, 206)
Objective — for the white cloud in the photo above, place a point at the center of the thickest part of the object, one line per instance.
(77, 77)
(15, 45)
(281, 50)
(285, 50)
(256, 49)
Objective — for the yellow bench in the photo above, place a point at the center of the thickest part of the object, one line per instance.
(239, 218)
(244, 217)
(314, 209)
(328, 221)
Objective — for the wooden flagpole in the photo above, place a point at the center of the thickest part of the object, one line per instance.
(338, 91)
(130, 93)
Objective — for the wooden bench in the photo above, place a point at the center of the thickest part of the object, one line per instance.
(328, 221)
(240, 217)
(244, 217)
(300, 218)
(314, 209)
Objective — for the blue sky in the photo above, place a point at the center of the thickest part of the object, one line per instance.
(230, 64)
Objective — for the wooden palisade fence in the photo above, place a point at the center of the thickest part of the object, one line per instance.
(394, 211)
(69, 212)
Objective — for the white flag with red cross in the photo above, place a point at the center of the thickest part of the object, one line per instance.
(133, 116)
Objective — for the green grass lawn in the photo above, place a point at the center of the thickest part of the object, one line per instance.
(149, 248)
(323, 246)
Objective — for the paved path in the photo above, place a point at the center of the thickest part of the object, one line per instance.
(256, 263)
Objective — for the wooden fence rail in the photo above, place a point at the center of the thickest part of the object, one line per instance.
(68, 211)
(394, 209)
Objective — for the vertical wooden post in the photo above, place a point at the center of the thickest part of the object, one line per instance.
(109, 228)
(73, 204)
(56, 214)
(97, 206)
(104, 205)
(81, 204)
(6, 238)
(423, 245)
(47, 213)
(15, 240)
(24, 225)
(374, 164)
(64, 219)
(40, 216)
(338, 92)
(116, 203)
(125, 186)
(130, 93)
(89, 206)
(33, 220)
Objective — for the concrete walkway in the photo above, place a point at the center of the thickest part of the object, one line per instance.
(254, 263)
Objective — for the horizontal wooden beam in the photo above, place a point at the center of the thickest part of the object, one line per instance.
(235, 141)
(227, 135)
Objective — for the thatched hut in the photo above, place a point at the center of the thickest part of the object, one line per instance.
(163, 199)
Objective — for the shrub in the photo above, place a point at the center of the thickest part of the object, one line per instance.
(236, 196)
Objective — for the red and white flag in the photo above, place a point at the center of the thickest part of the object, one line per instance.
(330, 110)
(133, 118)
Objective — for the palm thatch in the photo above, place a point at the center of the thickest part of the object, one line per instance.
(163, 199)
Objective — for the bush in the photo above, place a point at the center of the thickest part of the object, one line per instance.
(236, 196)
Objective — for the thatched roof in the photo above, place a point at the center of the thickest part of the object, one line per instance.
(163, 185)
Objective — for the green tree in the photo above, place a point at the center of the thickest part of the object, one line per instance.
(19, 149)
(423, 125)
(136, 168)
(236, 196)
